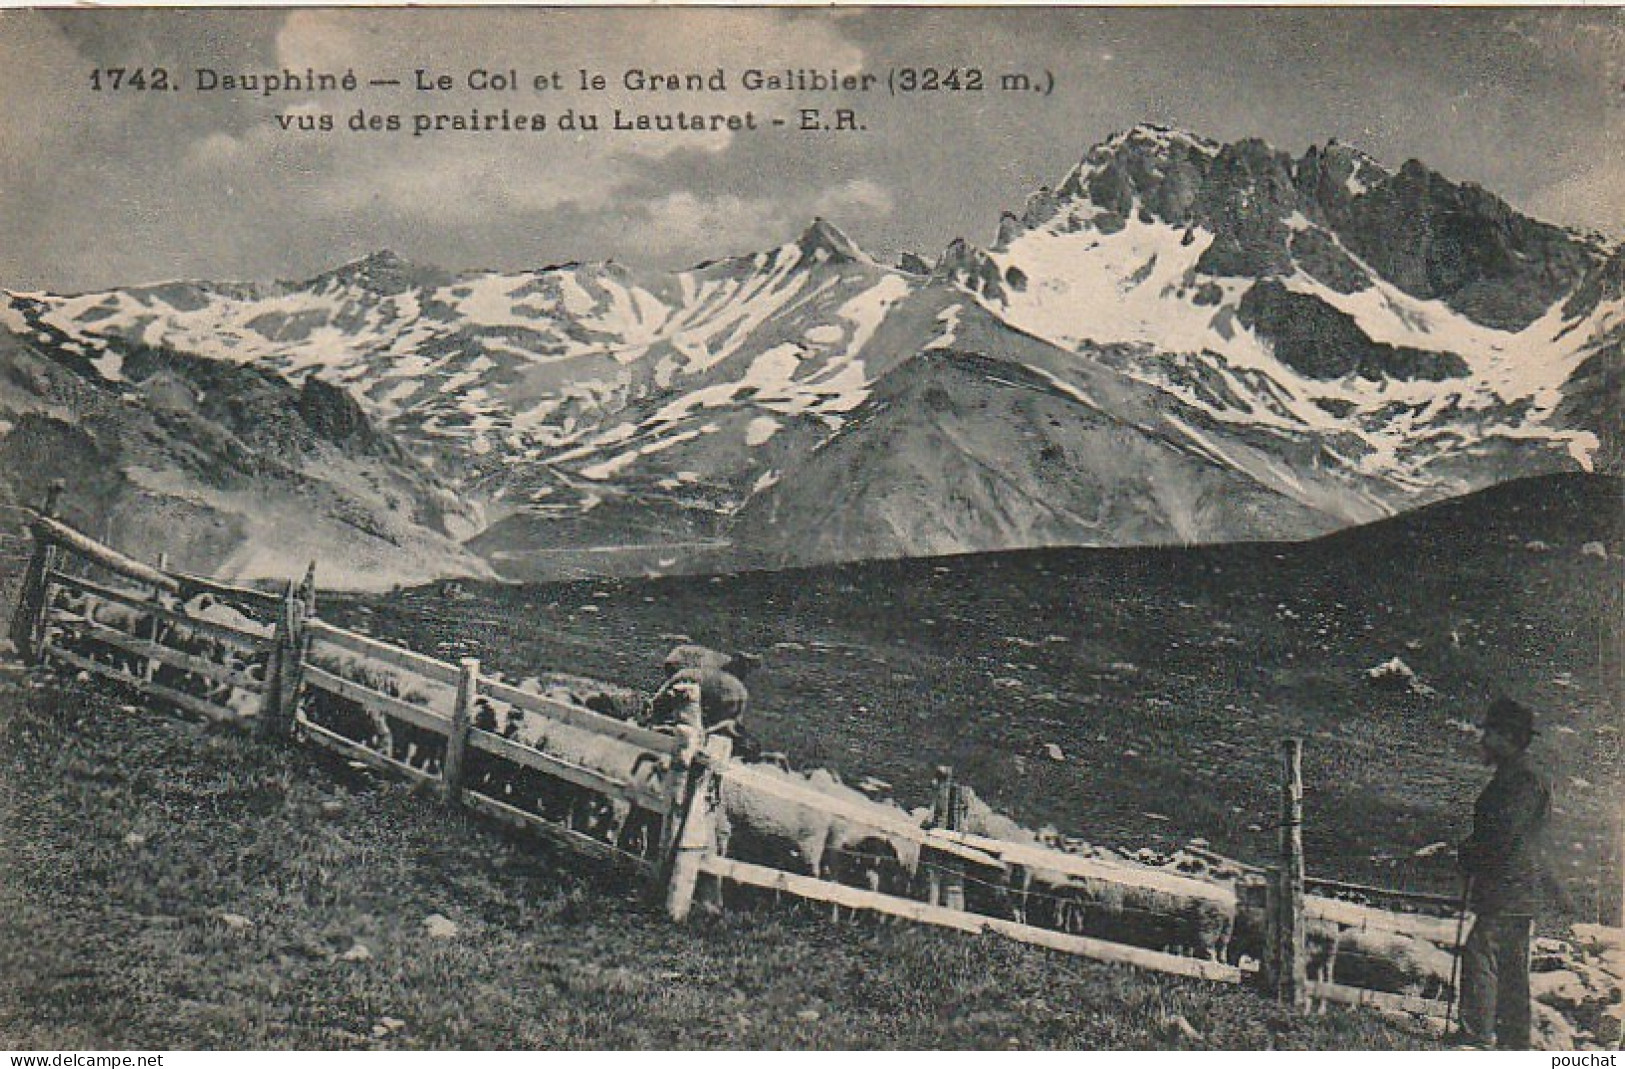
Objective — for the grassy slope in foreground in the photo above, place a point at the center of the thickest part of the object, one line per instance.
(130, 837)
(1165, 676)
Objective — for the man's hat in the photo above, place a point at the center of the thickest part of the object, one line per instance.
(1511, 719)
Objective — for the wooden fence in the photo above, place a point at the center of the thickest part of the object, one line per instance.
(649, 801)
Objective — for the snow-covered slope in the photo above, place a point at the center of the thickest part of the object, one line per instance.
(226, 470)
(1243, 295)
(1282, 346)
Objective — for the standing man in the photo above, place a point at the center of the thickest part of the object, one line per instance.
(1502, 862)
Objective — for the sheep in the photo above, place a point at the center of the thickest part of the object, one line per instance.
(1197, 921)
(621, 705)
(1342, 943)
(722, 695)
(758, 823)
(1375, 959)
(594, 814)
(210, 609)
(421, 748)
(704, 658)
(118, 617)
(1104, 899)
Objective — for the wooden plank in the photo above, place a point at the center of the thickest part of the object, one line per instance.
(895, 823)
(1387, 1000)
(155, 651)
(583, 718)
(549, 764)
(1219, 860)
(140, 602)
(1289, 959)
(697, 838)
(457, 732)
(1106, 869)
(344, 747)
(567, 837)
(192, 585)
(189, 702)
(857, 898)
(1329, 888)
(1438, 930)
(61, 534)
(420, 715)
(399, 656)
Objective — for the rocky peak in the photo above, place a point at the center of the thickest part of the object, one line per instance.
(1329, 178)
(1433, 238)
(1010, 228)
(970, 267)
(1605, 282)
(384, 273)
(913, 263)
(1246, 200)
(1459, 243)
(1151, 139)
(823, 235)
(1042, 205)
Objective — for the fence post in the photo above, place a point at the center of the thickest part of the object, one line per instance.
(678, 795)
(451, 770)
(34, 600)
(1286, 925)
(301, 608)
(697, 834)
(946, 880)
(307, 590)
(285, 665)
(273, 722)
(154, 631)
(953, 890)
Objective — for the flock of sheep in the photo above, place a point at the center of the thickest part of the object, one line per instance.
(79, 623)
(811, 823)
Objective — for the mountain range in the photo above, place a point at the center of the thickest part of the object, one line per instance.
(1181, 341)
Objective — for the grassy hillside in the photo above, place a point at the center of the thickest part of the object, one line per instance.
(172, 886)
(1166, 677)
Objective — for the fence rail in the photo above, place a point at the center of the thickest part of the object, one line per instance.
(941, 916)
(580, 717)
(142, 603)
(376, 701)
(372, 649)
(355, 751)
(320, 686)
(178, 698)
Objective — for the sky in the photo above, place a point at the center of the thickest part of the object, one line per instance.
(100, 189)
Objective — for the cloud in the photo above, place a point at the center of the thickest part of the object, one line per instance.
(105, 189)
(456, 175)
(685, 222)
(860, 198)
(686, 225)
(1582, 199)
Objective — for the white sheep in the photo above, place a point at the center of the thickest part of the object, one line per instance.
(788, 827)
(1375, 959)
(1113, 900)
(603, 816)
(208, 608)
(704, 658)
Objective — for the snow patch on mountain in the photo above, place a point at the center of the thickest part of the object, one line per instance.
(760, 430)
(1135, 286)
(948, 321)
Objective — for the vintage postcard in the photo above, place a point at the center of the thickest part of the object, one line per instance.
(773, 528)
